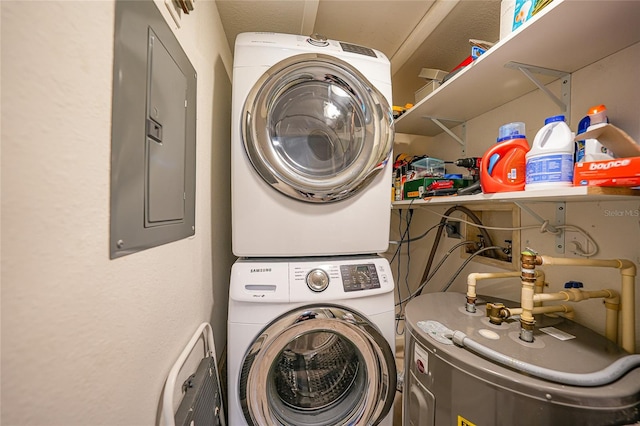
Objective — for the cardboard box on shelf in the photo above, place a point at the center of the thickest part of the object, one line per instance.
(525, 9)
(623, 172)
(425, 90)
(434, 78)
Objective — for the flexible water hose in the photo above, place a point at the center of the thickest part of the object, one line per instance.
(436, 242)
(607, 375)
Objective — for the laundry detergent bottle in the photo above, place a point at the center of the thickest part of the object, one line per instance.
(550, 160)
(502, 167)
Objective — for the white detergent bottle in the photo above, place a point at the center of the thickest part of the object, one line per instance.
(550, 160)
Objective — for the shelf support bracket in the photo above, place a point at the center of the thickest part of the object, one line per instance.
(448, 131)
(564, 102)
(559, 222)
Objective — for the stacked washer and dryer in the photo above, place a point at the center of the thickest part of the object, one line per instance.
(311, 334)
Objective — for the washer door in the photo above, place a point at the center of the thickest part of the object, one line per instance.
(318, 365)
(315, 129)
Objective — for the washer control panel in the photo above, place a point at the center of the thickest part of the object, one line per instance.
(338, 278)
(359, 277)
(309, 279)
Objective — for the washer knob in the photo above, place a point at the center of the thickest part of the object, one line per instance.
(317, 280)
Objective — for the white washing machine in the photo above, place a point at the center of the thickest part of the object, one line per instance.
(311, 342)
(312, 133)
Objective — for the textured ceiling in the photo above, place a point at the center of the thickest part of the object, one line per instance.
(414, 34)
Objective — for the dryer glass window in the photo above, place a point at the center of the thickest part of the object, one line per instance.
(317, 128)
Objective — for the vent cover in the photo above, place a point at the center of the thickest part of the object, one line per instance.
(354, 48)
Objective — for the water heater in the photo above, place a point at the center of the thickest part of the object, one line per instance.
(446, 384)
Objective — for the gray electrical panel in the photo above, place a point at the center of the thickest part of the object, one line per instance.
(153, 134)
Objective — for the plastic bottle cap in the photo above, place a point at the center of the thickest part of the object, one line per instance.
(553, 119)
(513, 130)
(597, 109)
(598, 114)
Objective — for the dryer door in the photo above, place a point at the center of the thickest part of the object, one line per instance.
(315, 129)
(318, 365)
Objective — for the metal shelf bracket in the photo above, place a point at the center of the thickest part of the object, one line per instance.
(461, 141)
(564, 102)
(556, 228)
(561, 209)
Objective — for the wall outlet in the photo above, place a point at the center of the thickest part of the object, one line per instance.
(452, 227)
(494, 216)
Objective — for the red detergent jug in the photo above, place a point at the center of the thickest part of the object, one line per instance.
(503, 166)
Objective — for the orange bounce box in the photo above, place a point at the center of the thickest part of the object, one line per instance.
(616, 172)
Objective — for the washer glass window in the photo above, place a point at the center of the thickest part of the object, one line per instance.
(319, 372)
(315, 129)
(318, 365)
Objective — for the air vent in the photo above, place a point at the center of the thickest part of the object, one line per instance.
(354, 48)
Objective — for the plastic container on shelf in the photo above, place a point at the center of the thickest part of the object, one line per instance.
(593, 149)
(550, 160)
(502, 167)
(428, 167)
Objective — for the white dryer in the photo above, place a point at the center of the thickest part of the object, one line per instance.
(311, 342)
(312, 133)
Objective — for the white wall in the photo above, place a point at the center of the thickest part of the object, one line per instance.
(87, 340)
(615, 226)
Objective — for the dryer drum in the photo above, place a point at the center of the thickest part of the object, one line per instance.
(315, 129)
(318, 365)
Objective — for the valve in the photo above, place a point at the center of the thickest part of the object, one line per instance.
(495, 312)
(508, 249)
(573, 284)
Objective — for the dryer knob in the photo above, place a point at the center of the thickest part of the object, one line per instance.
(317, 280)
(319, 40)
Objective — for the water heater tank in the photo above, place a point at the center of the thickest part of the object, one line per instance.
(446, 384)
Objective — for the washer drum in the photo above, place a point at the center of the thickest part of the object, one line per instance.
(318, 365)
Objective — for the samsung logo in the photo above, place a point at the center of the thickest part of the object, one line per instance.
(258, 270)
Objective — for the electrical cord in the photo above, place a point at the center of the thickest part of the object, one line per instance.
(496, 228)
(467, 260)
(406, 274)
(404, 239)
(578, 247)
(403, 234)
(398, 250)
(419, 237)
(436, 242)
(544, 228)
(435, 270)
